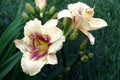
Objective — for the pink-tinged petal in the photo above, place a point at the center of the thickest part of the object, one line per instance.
(90, 36)
(31, 66)
(64, 13)
(21, 45)
(56, 45)
(32, 27)
(52, 59)
(50, 23)
(97, 23)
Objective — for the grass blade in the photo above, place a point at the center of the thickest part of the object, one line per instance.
(9, 64)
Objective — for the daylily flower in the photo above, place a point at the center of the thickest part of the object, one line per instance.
(41, 4)
(39, 45)
(82, 16)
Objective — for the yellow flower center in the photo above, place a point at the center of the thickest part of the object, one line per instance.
(39, 46)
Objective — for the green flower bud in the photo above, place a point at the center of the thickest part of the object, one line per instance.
(41, 14)
(37, 10)
(29, 8)
(81, 53)
(47, 12)
(52, 10)
(90, 55)
(54, 16)
(84, 58)
(25, 16)
(68, 69)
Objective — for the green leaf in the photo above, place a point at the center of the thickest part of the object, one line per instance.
(12, 32)
(9, 64)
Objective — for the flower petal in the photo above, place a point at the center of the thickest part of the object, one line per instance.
(74, 6)
(56, 45)
(90, 36)
(97, 23)
(31, 66)
(52, 59)
(50, 23)
(80, 22)
(32, 27)
(79, 6)
(21, 45)
(64, 13)
(87, 14)
(54, 33)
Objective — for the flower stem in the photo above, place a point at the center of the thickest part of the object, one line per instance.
(63, 57)
(66, 34)
(84, 44)
(64, 63)
(76, 61)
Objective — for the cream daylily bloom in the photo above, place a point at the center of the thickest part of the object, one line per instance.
(82, 16)
(39, 45)
(41, 4)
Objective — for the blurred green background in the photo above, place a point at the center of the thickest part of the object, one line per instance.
(106, 63)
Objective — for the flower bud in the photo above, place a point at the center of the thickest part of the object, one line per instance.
(84, 58)
(41, 4)
(47, 12)
(54, 16)
(25, 16)
(37, 10)
(90, 55)
(67, 69)
(81, 53)
(52, 10)
(83, 45)
(29, 8)
(41, 15)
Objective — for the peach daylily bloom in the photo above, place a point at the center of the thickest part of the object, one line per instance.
(82, 16)
(39, 45)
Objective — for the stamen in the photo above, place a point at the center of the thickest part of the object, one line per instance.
(40, 45)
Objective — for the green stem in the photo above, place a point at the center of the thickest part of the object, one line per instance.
(63, 57)
(66, 34)
(73, 35)
(64, 63)
(76, 61)
(84, 44)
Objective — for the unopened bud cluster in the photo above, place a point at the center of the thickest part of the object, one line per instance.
(38, 11)
(84, 56)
